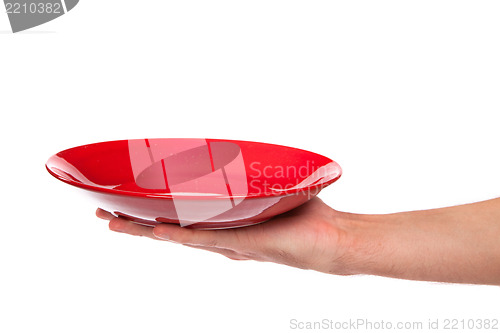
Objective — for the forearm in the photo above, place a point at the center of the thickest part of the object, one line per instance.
(454, 244)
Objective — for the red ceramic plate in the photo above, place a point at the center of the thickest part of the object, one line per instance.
(197, 183)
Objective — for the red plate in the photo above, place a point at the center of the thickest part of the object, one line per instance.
(197, 183)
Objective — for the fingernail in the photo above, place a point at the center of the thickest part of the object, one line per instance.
(117, 229)
(163, 236)
(116, 226)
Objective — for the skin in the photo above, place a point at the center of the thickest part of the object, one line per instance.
(459, 244)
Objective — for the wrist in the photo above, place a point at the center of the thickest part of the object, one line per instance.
(365, 240)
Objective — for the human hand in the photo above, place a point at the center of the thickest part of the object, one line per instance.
(453, 244)
(311, 236)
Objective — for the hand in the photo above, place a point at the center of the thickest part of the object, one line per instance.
(309, 237)
(453, 244)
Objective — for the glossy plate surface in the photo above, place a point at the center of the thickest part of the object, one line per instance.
(197, 183)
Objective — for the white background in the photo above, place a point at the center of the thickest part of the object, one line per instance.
(403, 94)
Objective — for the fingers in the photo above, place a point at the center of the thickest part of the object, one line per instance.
(169, 232)
(174, 233)
(218, 241)
(205, 238)
(128, 227)
(208, 240)
(102, 214)
(125, 226)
